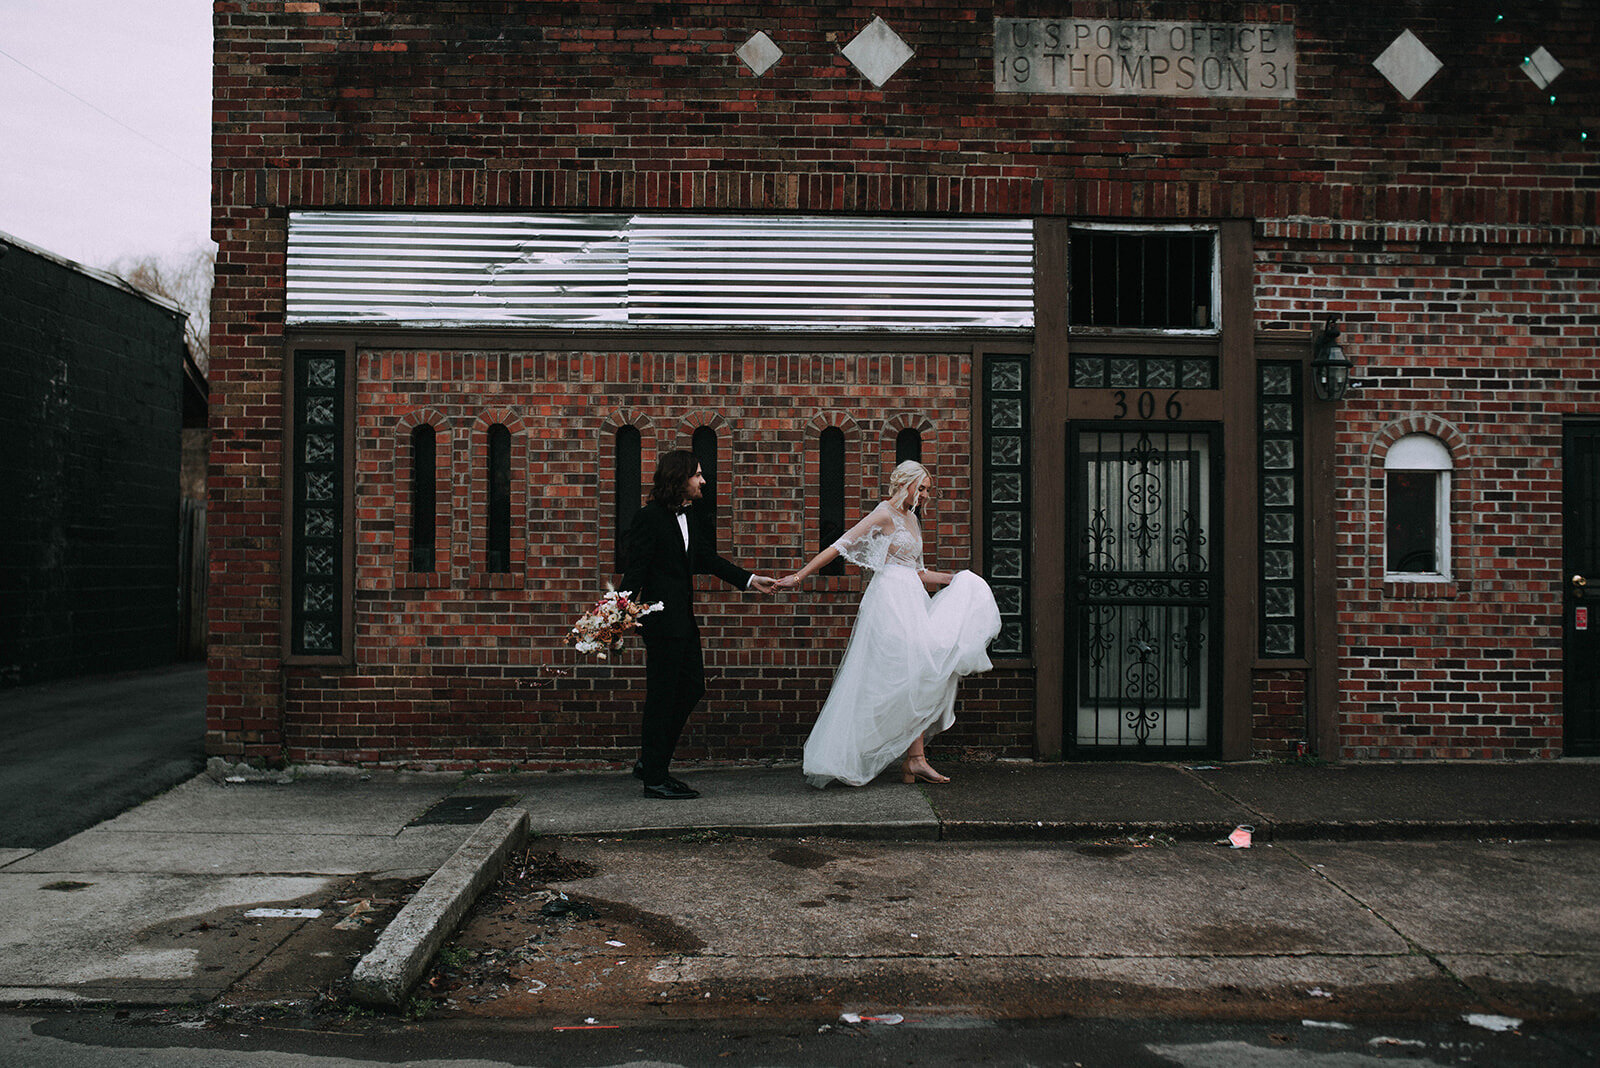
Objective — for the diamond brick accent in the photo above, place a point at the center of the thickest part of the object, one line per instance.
(877, 52)
(1542, 68)
(759, 53)
(1407, 64)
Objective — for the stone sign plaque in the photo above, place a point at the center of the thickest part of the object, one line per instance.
(1124, 57)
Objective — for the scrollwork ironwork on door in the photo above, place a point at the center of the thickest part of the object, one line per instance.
(1144, 685)
(1189, 544)
(1143, 490)
(1099, 542)
(1144, 584)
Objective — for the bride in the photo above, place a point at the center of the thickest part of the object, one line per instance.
(897, 683)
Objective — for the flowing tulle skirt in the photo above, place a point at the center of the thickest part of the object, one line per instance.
(898, 677)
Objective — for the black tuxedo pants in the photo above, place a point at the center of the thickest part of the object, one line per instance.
(675, 680)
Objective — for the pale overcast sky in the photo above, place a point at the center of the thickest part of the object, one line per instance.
(125, 170)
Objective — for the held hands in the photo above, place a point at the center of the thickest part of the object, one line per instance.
(769, 585)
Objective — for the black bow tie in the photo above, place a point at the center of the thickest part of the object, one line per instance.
(682, 509)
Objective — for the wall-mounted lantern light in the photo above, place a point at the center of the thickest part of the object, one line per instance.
(1330, 367)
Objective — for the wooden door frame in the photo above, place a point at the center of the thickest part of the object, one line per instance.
(1055, 404)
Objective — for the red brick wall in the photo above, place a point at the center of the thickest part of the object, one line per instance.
(462, 667)
(1279, 720)
(642, 106)
(1485, 345)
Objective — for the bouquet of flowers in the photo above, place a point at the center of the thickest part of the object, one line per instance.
(601, 629)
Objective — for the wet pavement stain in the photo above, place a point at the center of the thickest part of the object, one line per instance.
(800, 857)
(1233, 938)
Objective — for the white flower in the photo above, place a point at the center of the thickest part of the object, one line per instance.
(601, 629)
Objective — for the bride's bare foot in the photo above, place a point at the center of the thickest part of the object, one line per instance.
(917, 769)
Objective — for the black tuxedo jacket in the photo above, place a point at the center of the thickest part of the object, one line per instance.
(658, 568)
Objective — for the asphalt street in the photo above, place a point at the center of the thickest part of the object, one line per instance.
(185, 1040)
(81, 751)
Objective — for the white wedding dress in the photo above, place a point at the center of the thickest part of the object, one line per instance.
(906, 653)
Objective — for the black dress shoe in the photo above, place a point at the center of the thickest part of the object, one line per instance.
(670, 791)
(638, 773)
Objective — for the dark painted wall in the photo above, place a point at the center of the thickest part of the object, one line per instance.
(90, 412)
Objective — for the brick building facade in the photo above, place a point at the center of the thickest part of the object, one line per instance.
(1440, 204)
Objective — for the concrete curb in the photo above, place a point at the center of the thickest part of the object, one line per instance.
(386, 976)
(1424, 830)
(1070, 831)
(1267, 830)
(922, 830)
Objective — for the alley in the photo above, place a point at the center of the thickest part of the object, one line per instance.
(80, 751)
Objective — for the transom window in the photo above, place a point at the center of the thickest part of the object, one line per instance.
(1151, 284)
(1151, 279)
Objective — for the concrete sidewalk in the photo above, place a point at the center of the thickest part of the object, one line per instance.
(163, 904)
(1027, 800)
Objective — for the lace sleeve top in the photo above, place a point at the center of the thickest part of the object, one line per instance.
(885, 537)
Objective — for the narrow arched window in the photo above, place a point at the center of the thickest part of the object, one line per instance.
(424, 497)
(499, 526)
(908, 445)
(830, 493)
(1416, 483)
(627, 479)
(704, 446)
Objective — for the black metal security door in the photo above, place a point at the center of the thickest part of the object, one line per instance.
(1144, 592)
(1581, 588)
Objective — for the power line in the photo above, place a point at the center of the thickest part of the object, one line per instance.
(142, 136)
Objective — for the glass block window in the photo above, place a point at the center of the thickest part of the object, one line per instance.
(1005, 498)
(317, 570)
(830, 494)
(1280, 466)
(628, 476)
(1094, 371)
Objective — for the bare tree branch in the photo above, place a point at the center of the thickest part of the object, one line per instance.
(187, 282)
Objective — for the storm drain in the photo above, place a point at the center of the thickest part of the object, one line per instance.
(462, 809)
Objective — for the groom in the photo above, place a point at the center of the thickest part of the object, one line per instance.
(662, 552)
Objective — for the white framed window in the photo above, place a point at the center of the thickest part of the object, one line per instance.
(1416, 504)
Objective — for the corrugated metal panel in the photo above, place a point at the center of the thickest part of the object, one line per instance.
(659, 271)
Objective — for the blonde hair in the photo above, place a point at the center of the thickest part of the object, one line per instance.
(905, 475)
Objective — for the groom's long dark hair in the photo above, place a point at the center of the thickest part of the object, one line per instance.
(672, 477)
